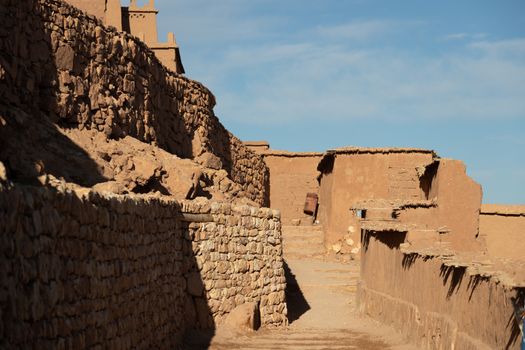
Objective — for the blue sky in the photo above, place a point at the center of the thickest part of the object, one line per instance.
(309, 75)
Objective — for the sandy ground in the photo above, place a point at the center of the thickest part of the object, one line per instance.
(322, 310)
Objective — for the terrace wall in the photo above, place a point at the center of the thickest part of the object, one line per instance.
(80, 268)
(62, 67)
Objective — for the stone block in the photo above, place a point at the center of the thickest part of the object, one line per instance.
(66, 59)
(244, 318)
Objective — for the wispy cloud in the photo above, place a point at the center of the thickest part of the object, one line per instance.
(261, 72)
(306, 81)
(507, 47)
(364, 29)
(463, 36)
(358, 30)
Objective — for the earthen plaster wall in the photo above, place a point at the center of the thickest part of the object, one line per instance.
(435, 302)
(58, 63)
(503, 228)
(80, 269)
(453, 208)
(353, 175)
(292, 176)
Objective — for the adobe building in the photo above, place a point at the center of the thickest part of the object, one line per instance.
(129, 214)
(139, 21)
(443, 269)
(292, 176)
(379, 181)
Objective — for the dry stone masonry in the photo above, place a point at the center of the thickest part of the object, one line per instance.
(83, 269)
(57, 62)
(129, 214)
(238, 258)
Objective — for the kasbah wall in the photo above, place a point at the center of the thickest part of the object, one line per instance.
(85, 266)
(81, 269)
(62, 63)
(438, 266)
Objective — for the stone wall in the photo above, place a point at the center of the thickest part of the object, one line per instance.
(238, 256)
(81, 269)
(93, 7)
(437, 300)
(59, 64)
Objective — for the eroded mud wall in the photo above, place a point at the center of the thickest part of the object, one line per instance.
(79, 269)
(503, 229)
(365, 174)
(65, 68)
(292, 176)
(435, 305)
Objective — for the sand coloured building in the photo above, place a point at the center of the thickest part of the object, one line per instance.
(130, 217)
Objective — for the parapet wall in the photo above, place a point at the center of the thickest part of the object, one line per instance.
(80, 269)
(58, 63)
(437, 300)
(503, 228)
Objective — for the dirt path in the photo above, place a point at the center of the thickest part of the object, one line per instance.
(321, 299)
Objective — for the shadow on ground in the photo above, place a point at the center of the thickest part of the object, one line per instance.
(295, 300)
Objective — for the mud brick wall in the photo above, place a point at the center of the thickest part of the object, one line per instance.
(80, 269)
(293, 175)
(503, 228)
(435, 302)
(57, 62)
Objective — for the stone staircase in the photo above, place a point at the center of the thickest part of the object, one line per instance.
(303, 242)
(303, 339)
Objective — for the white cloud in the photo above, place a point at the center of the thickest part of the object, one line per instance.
(463, 36)
(501, 47)
(456, 36)
(307, 82)
(359, 30)
(262, 73)
(363, 30)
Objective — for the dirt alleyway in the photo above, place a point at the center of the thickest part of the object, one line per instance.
(321, 298)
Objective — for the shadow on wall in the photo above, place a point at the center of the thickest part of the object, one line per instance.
(454, 275)
(516, 318)
(392, 240)
(425, 181)
(30, 142)
(131, 272)
(200, 326)
(295, 300)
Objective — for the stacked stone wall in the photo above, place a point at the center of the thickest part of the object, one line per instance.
(80, 269)
(238, 257)
(59, 63)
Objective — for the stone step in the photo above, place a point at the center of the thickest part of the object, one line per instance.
(303, 245)
(300, 229)
(308, 339)
(299, 235)
(302, 235)
(304, 256)
(303, 242)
